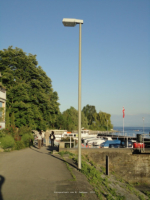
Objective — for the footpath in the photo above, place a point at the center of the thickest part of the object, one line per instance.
(36, 174)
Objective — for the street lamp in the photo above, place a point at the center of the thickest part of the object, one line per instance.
(107, 126)
(143, 133)
(71, 23)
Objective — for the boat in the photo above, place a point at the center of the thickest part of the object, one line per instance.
(101, 140)
(109, 143)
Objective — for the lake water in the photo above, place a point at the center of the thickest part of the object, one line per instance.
(132, 131)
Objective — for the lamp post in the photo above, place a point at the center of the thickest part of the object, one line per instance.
(143, 133)
(107, 126)
(71, 23)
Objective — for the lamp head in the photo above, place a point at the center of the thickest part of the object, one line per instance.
(71, 22)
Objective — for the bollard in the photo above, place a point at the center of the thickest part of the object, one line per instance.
(107, 165)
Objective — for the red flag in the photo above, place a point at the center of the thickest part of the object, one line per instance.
(123, 112)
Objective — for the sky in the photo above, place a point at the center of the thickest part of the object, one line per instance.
(115, 51)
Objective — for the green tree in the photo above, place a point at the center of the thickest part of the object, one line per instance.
(30, 95)
(12, 119)
(100, 121)
(70, 119)
(7, 119)
(89, 112)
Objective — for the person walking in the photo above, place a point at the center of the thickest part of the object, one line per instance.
(39, 139)
(52, 138)
(43, 136)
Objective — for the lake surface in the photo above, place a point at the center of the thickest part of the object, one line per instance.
(132, 131)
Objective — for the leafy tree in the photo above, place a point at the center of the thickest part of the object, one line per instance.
(7, 119)
(12, 119)
(89, 112)
(70, 119)
(30, 95)
(100, 121)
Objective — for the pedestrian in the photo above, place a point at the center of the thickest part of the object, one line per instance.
(39, 139)
(43, 136)
(52, 138)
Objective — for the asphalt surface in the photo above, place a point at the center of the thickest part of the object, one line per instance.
(35, 174)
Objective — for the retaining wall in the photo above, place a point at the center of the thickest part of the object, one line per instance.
(131, 167)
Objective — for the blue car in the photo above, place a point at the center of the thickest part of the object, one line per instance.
(110, 143)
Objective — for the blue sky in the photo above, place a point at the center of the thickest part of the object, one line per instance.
(115, 51)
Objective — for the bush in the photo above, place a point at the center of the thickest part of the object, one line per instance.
(19, 145)
(27, 139)
(24, 130)
(2, 133)
(11, 130)
(7, 142)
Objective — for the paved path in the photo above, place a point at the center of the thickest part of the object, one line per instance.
(35, 174)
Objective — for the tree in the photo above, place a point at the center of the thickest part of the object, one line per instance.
(7, 119)
(100, 121)
(89, 112)
(30, 95)
(70, 119)
(12, 119)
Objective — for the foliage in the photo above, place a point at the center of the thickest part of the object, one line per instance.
(2, 114)
(19, 145)
(147, 193)
(27, 139)
(12, 119)
(89, 112)
(11, 130)
(97, 121)
(65, 152)
(24, 130)
(2, 133)
(7, 119)
(69, 119)
(7, 142)
(30, 95)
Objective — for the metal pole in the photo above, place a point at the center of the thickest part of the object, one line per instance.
(79, 103)
(123, 126)
(107, 126)
(143, 133)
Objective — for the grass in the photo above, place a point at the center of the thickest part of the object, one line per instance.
(147, 193)
(68, 167)
(99, 182)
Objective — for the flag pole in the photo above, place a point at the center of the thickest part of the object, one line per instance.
(123, 126)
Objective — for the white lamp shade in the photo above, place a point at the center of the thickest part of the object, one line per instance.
(71, 22)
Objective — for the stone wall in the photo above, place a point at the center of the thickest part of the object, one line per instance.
(131, 167)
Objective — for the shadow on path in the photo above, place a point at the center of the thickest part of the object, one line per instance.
(74, 165)
(2, 180)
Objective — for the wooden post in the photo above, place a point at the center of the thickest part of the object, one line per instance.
(107, 165)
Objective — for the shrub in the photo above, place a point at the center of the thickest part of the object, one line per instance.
(24, 130)
(19, 145)
(11, 130)
(2, 133)
(7, 142)
(27, 139)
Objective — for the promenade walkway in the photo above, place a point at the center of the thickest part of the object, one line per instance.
(35, 174)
